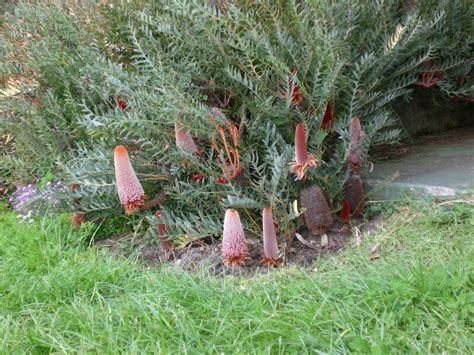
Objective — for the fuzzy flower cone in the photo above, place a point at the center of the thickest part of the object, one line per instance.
(270, 245)
(184, 141)
(234, 245)
(303, 160)
(129, 189)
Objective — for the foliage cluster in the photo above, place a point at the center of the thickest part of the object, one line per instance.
(81, 77)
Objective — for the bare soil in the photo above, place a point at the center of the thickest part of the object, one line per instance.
(205, 253)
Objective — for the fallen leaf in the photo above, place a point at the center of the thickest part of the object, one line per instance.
(304, 241)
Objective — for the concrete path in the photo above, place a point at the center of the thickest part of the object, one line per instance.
(441, 165)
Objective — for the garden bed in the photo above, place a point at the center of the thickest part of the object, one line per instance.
(206, 252)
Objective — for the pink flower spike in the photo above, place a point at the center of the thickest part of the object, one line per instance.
(184, 141)
(301, 149)
(129, 189)
(303, 160)
(234, 245)
(326, 122)
(356, 134)
(270, 245)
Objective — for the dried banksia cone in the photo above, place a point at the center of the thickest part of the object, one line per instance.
(184, 141)
(317, 214)
(234, 245)
(354, 152)
(303, 160)
(270, 245)
(355, 194)
(165, 244)
(129, 189)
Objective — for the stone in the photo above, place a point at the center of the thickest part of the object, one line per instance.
(440, 165)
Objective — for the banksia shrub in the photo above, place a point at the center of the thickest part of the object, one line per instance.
(129, 189)
(240, 96)
(270, 244)
(317, 214)
(234, 245)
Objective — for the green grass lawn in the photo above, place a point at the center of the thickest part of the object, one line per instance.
(58, 295)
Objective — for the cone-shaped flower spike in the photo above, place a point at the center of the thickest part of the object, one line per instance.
(303, 160)
(326, 122)
(129, 189)
(184, 141)
(355, 151)
(270, 245)
(234, 245)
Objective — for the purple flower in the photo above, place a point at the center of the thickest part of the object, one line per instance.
(30, 201)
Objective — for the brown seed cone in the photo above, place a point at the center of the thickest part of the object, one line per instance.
(317, 214)
(355, 194)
